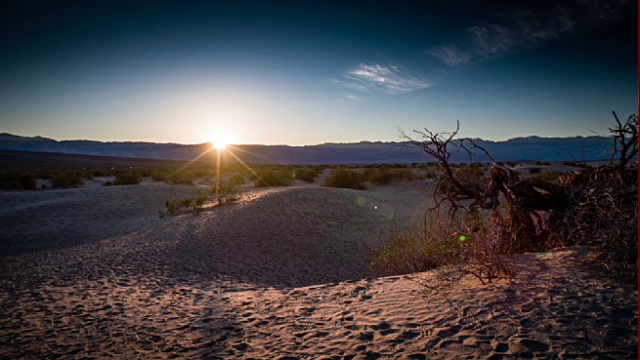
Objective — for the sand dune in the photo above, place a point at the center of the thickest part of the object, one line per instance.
(281, 274)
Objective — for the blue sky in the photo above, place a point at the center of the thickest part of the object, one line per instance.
(309, 72)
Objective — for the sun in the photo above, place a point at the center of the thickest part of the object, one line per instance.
(221, 139)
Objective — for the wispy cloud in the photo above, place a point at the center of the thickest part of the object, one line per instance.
(392, 79)
(450, 55)
(516, 31)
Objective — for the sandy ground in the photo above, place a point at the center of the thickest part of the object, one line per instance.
(283, 274)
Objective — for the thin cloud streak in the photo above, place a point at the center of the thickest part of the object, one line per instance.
(518, 31)
(391, 79)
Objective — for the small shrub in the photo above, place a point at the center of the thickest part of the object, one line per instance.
(108, 183)
(18, 181)
(159, 175)
(472, 177)
(430, 174)
(129, 178)
(535, 171)
(479, 253)
(281, 177)
(180, 178)
(413, 251)
(408, 174)
(67, 179)
(308, 175)
(343, 178)
(172, 206)
(236, 180)
(200, 199)
(186, 202)
(99, 173)
(383, 176)
(27, 182)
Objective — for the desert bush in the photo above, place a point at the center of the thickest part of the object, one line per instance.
(308, 175)
(237, 179)
(180, 177)
(67, 179)
(99, 173)
(604, 217)
(385, 175)
(408, 174)
(535, 170)
(280, 177)
(382, 176)
(108, 183)
(343, 178)
(127, 178)
(543, 163)
(477, 252)
(414, 251)
(18, 181)
(430, 174)
(159, 175)
(27, 182)
(472, 177)
(186, 202)
(199, 200)
(172, 206)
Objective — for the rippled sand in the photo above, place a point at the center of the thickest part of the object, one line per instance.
(283, 273)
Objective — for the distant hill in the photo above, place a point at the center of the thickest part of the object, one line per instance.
(534, 148)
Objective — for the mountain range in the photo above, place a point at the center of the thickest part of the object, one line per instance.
(533, 148)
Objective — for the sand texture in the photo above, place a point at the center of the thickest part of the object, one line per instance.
(282, 274)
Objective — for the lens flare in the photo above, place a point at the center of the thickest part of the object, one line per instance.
(221, 139)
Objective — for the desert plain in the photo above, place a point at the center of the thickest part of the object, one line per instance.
(281, 273)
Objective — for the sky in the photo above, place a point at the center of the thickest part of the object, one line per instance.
(311, 72)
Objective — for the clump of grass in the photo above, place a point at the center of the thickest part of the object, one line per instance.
(343, 178)
(280, 177)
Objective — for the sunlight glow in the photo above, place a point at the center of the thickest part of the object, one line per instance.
(221, 139)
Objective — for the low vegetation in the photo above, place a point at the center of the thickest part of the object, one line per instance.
(344, 178)
(490, 216)
(67, 179)
(216, 196)
(280, 177)
(307, 174)
(127, 178)
(460, 247)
